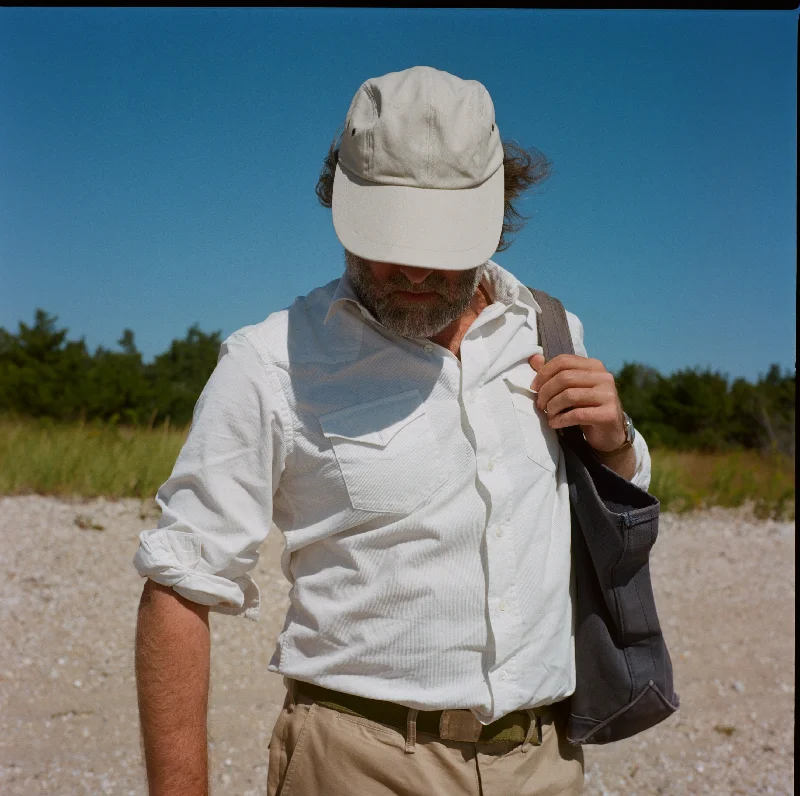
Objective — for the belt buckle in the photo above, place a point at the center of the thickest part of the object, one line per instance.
(459, 725)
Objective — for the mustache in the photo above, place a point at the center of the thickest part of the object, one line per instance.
(431, 284)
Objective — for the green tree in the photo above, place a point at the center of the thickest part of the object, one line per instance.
(41, 373)
(117, 387)
(776, 400)
(696, 405)
(177, 377)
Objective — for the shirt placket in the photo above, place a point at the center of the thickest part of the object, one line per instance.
(493, 473)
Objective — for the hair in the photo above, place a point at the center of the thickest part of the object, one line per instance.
(523, 169)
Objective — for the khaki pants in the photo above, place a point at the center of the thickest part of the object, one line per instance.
(316, 751)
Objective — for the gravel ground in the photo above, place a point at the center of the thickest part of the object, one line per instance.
(724, 583)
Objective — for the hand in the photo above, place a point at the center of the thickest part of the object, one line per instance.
(577, 391)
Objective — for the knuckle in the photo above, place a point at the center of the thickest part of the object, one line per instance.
(573, 394)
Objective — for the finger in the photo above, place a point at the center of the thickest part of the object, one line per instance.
(567, 379)
(575, 397)
(565, 362)
(581, 416)
(536, 362)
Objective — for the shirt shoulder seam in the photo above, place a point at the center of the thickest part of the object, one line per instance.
(273, 376)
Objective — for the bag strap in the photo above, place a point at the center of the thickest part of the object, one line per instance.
(555, 338)
(552, 325)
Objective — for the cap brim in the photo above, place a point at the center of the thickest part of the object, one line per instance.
(424, 227)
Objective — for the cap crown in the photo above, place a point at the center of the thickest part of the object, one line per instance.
(422, 128)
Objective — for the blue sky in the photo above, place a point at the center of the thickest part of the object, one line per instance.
(157, 166)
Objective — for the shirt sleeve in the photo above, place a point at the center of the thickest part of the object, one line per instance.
(217, 503)
(641, 475)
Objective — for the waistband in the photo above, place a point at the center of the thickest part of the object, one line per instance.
(455, 725)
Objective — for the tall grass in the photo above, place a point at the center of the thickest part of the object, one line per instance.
(87, 461)
(106, 460)
(687, 480)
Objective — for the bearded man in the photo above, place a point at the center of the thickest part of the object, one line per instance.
(398, 425)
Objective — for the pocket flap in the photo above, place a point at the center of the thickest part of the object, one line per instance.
(374, 422)
(520, 377)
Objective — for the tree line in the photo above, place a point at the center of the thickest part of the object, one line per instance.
(45, 375)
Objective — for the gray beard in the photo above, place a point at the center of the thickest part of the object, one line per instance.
(412, 320)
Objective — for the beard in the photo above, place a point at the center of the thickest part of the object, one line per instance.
(412, 319)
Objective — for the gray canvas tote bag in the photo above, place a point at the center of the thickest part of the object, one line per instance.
(624, 674)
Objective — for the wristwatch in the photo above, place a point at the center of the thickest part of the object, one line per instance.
(630, 435)
(630, 431)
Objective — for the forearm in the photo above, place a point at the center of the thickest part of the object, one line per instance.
(173, 651)
(622, 462)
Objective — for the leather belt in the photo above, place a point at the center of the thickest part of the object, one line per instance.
(452, 725)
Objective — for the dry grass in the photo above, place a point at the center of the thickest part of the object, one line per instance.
(94, 460)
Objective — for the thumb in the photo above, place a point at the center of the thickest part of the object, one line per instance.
(536, 362)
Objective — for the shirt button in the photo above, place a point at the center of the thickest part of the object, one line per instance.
(428, 348)
(503, 675)
(503, 605)
(498, 531)
(490, 466)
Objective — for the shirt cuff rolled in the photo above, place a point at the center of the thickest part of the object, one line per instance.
(171, 558)
(641, 475)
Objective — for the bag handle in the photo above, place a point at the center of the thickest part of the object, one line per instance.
(555, 339)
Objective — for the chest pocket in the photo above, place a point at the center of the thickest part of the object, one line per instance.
(541, 441)
(387, 453)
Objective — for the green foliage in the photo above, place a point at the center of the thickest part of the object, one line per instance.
(700, 410)
(713, 442)
(43, 375)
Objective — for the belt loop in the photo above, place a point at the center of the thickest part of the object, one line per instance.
(411, 731)
(291, 694)
(533, 730)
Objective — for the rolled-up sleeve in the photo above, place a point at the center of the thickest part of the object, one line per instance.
(641, 475)
(217, 503)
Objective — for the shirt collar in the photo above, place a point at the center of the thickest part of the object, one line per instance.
(505, 288)
(501, 285)
(343, 295)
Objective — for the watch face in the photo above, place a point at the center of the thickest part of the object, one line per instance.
(630, 432)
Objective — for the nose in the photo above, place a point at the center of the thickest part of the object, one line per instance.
(415, 275)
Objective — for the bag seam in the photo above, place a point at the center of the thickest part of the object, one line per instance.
(650, 686)
(620, 613)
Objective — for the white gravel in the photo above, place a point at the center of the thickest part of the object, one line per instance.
(68, 600)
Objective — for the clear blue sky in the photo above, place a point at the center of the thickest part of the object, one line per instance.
(157, 166)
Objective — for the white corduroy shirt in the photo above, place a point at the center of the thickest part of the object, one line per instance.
(423, 501)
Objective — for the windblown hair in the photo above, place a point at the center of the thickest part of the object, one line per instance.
(523, 169)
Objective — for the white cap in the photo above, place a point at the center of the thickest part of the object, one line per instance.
(420, 174)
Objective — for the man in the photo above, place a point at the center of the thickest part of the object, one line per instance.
(399, 426)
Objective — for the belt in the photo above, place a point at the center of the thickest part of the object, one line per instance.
(454, 725)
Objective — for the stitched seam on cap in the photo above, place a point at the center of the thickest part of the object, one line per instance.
(428, 122)
(369, 137)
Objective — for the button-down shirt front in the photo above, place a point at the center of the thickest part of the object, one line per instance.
(423, 501)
